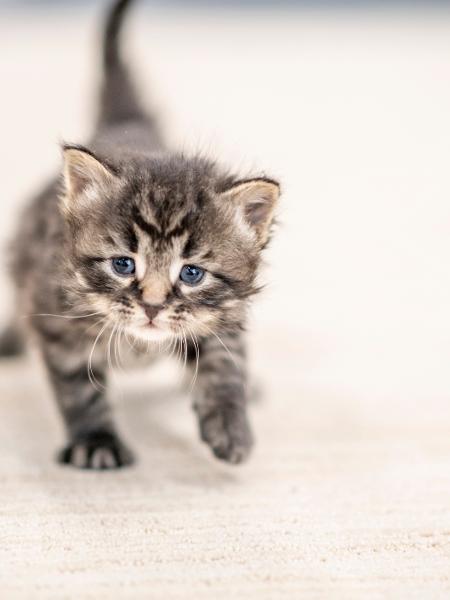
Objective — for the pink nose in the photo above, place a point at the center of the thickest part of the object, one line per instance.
(151, 310)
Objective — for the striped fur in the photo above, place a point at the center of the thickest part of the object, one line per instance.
(127, 195)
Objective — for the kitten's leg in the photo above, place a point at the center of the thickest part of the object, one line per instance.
(93, 440)
(11, 341)
(221, 397)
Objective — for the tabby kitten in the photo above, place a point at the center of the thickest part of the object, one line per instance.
(138, 243)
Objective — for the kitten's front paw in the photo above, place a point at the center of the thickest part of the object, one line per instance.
(96, 450)
(228, 433)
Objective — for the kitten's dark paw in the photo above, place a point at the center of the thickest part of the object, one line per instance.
(228, 433)
(96, 450)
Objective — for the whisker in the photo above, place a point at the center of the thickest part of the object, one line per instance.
(108, 348)
(184, 350)
(119, 346)
(170, 347)
(179, 348)
(96, 323)
(61, 316)
(91, 375)
(225, 347)
(116, 345)
(197, 357)
(130, 344)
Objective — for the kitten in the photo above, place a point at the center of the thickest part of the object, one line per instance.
(141, 243)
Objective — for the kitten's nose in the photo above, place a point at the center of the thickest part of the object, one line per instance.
(151, 310)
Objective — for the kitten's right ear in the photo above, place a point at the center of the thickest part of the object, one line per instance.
(257, 198)
(83, 170)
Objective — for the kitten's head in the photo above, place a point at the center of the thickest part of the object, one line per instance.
(164, 246)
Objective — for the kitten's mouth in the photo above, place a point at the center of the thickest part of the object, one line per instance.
(156, 327)
(151, 331)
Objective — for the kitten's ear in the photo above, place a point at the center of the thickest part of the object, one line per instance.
(258, 199)
(83, 170)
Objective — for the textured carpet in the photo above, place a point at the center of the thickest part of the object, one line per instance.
(347, 494)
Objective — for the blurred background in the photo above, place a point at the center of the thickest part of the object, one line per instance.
(348, 105)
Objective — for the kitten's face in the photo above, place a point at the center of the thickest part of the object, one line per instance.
(158, 250)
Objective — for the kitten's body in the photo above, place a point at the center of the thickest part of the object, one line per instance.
(128, 197)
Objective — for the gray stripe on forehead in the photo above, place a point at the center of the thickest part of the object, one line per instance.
(144, 225)
(155, 232)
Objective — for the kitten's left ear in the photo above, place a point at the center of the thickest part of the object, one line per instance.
(82, 170)
(258, 199)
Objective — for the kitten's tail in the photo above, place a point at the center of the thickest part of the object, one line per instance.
(119, 101)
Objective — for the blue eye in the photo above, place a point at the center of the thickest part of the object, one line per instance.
(123, 265)
(191, 274)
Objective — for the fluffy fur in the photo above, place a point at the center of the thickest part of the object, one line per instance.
(126, 195)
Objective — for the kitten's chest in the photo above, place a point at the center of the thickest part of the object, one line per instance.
(123, 352)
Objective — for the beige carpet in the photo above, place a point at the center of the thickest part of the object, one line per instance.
(348, 492)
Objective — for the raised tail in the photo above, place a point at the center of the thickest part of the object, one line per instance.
(118, 101)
